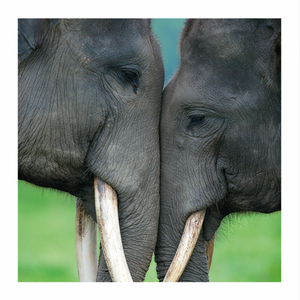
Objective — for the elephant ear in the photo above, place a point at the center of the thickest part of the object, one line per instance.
(31, 33)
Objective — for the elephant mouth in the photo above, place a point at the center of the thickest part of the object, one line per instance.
(186, 247)
(106, 204)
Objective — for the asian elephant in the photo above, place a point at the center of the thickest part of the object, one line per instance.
(89, 108)
(220, 136)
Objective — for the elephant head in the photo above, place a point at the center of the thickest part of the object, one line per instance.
(220, 135)
(89, 107)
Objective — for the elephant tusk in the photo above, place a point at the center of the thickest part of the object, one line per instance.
(186, 246)
(210, 250)
(86, 244)
(106, 203)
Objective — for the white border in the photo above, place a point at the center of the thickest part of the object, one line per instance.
(288, 10)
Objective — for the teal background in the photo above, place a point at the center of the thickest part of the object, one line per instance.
(247, 248)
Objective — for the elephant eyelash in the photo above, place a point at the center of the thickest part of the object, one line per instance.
(127, 75)
(133, 78)
(196, 120)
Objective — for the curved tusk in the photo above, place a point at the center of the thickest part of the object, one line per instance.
(106, 203)
(186, 246)
(86, 244)
(209, 251)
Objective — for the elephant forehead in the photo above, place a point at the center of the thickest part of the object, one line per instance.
(234, 47)
(106, 41)
(116, 27)
(218, 94)
(230, 37)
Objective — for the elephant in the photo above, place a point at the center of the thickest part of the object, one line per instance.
(220, 136)
(88, 124)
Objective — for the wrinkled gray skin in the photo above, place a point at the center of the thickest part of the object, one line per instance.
(220, 132)
(89, 106)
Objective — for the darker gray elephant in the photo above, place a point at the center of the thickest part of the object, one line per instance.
(89, 106)
(220, 133)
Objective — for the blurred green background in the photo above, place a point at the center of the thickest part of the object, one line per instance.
(247, 248)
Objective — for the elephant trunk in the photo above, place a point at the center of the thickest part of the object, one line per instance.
(181, 253)
(186, 246)
(138, 230)
(127, 236)
(106, 204)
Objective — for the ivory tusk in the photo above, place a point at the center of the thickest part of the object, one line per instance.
(186, 246)
(106, 203)
(210, 250)
(86, 244)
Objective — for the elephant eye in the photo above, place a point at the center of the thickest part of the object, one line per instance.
(195, 120)
(132, 78)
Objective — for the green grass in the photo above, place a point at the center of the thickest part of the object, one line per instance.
(247, 247)
(46, 240)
